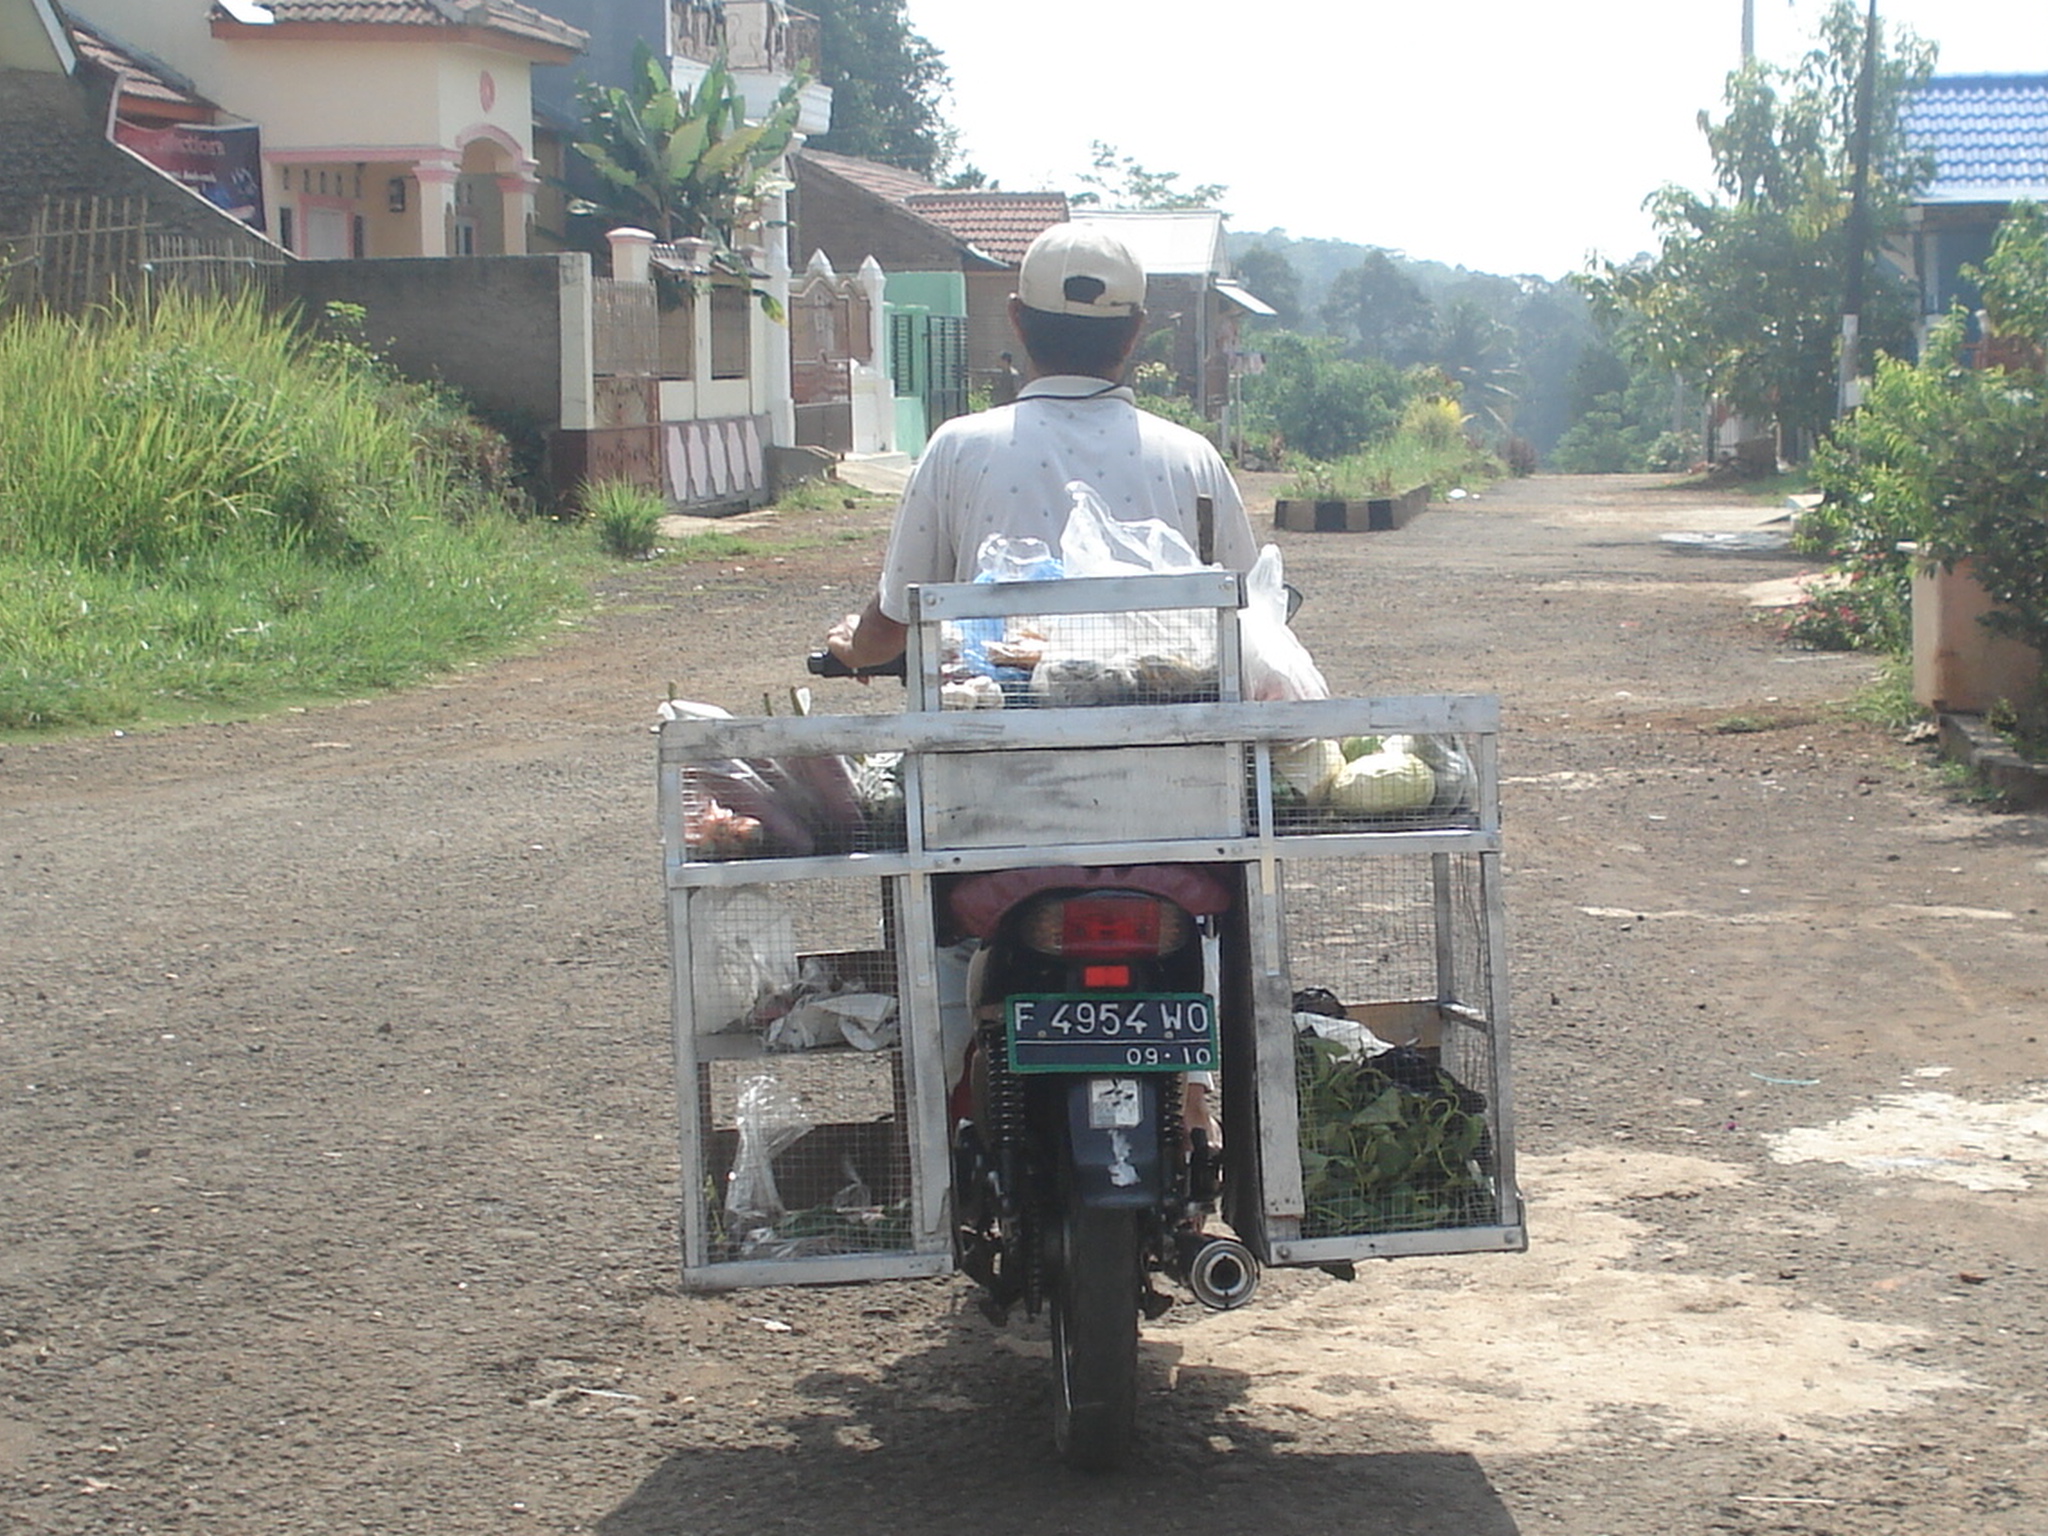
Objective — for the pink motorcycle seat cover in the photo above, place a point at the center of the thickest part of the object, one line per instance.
(979, 902)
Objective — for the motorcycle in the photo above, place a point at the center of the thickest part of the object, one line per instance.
(1077, 1174)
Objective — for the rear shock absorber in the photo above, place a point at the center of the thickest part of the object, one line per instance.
(1005, 1108)
(1172, 1154)
(1022, 1272)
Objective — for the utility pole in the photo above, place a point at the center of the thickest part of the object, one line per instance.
(1748, 30)
(1858, 233)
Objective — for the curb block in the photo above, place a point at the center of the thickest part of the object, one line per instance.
(1967, 739)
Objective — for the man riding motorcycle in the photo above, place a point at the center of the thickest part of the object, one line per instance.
(1079, 311)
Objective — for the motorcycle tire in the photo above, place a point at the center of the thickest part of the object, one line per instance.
(1095, 1338)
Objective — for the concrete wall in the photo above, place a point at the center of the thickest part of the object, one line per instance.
(490, 326)
(614, 26)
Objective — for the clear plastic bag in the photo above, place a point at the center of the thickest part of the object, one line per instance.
(771, 1119)
(1095, 543)
(980, 642)
(1124, 658)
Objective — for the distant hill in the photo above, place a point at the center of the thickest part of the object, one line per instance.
(1317, 262)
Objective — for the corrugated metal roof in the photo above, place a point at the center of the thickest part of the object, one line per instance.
(999, 224)
(1988, 135)
(1244, 298)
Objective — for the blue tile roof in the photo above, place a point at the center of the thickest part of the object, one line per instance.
(1988, 135)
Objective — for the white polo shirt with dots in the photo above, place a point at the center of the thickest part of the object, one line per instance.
(1006, 471)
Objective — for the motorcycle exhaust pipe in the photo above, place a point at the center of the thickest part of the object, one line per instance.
(1220, 1271)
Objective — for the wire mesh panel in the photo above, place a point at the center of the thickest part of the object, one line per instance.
(1080, 660)
(790, 807)
(791, 966)
(806, 1157)
(1021, 641)
(1373, 783)
(1399, 1071)
(799, 1126)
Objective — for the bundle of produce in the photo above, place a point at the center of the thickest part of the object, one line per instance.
(1364, 778)
(1390, 1142)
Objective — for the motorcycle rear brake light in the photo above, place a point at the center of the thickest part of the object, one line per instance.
(1105, 977)
(1115, 925)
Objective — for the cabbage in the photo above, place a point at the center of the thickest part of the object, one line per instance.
(1356, 747)
(1307, 766)
(1381, 783)
(1455, 779)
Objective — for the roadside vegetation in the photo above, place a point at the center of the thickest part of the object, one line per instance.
(1947, 461)
(205, 509)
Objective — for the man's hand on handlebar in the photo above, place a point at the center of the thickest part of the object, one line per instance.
(839, 642)
(866, 642)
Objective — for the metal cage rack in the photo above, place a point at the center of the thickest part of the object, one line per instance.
(1367, 1099)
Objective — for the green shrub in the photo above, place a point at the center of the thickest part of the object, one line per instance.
(1953, 458)
(1433, 421)
(1181, 410)
(1391, 466)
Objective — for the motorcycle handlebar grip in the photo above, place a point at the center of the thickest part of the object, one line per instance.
(825, 664)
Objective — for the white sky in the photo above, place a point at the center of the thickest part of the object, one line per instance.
(1508, 136)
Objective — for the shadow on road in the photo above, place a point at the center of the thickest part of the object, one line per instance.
(956, 1437)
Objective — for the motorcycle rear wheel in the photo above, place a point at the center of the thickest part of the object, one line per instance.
(1095, 1338)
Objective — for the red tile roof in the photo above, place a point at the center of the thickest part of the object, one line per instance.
(996, 224)
(889, 181)
(142, 78)
(999, 224)
(506, 16)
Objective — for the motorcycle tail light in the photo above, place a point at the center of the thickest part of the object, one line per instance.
(1105, 978)
(1112, 925)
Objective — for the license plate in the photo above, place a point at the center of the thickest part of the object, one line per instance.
(1096, 1031)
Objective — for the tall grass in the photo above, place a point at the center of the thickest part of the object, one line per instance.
(202, 508)
(1397, 463)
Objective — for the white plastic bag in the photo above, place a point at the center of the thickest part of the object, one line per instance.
(1276, 664)
(742, 949)
(864, 1020)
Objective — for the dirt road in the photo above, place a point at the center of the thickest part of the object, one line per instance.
(337, 1168)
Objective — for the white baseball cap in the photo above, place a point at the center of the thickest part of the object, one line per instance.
(1079, 269)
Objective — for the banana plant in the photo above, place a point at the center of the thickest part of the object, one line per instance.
(686, 165)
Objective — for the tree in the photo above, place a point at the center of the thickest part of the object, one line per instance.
(888, 86)
(2014, 281)
(1118, 181)
(1476, 352)
(1623, 420)
(1746, 293)
(1269, 274)
(1321, 404)
(1379, 311)
(684, 165)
